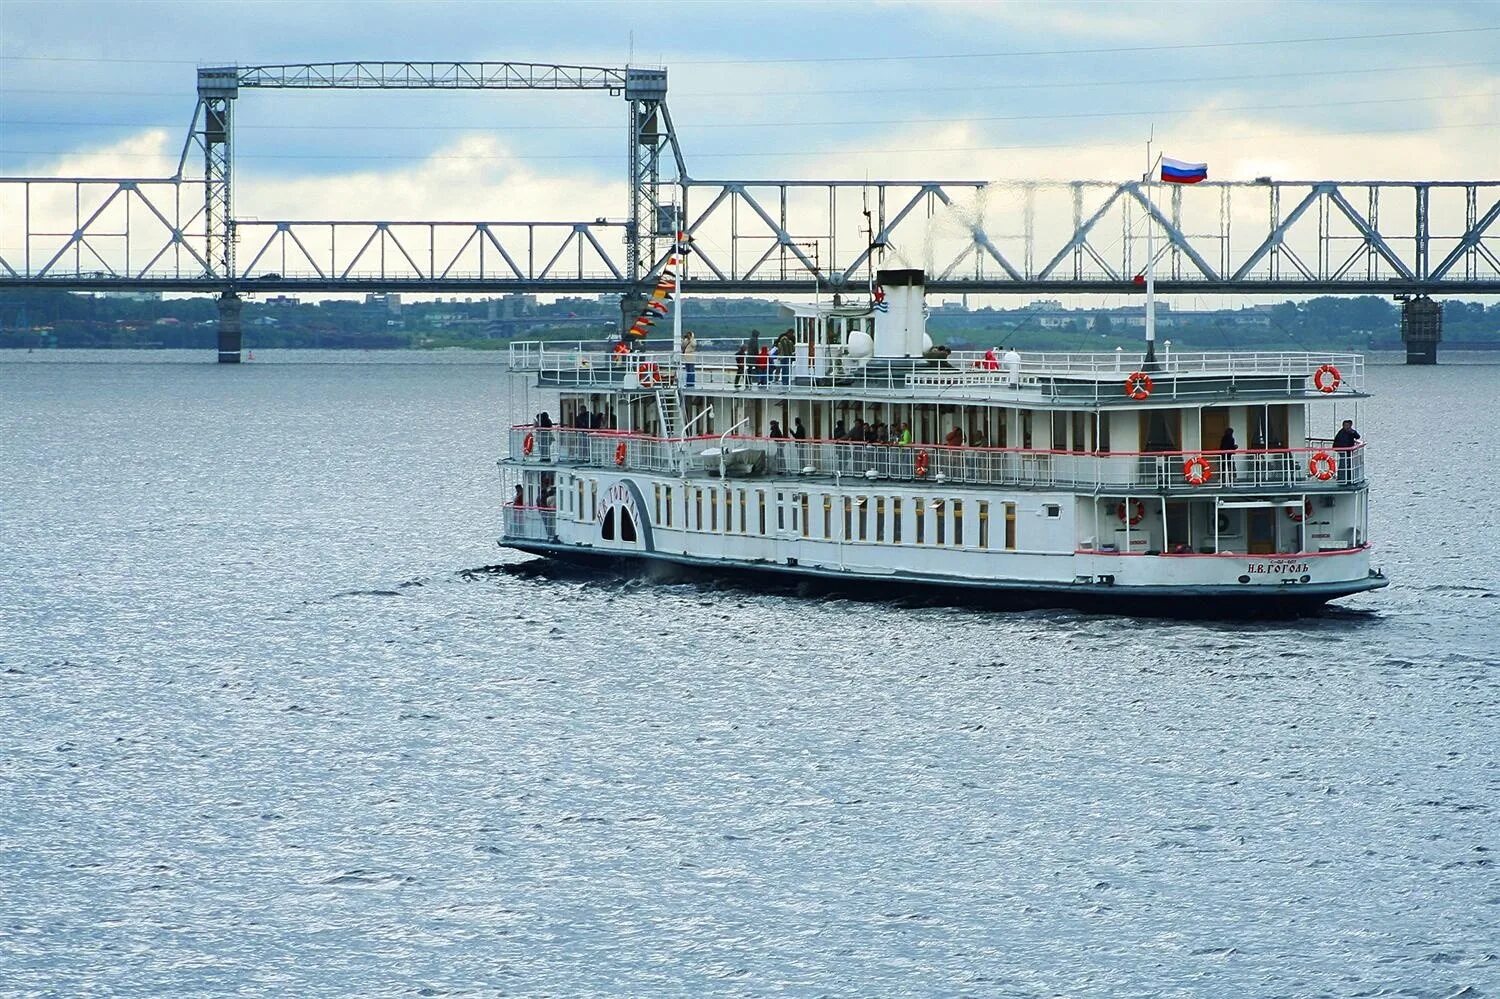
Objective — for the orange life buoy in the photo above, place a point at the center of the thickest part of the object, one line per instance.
(922, 463)
(649, 374)
(1138, 385)
(529, 444)
(1322, 465)
(1137, 512)
(620, 454)
(1298, 516)
(1327, 379)
(1197, 470)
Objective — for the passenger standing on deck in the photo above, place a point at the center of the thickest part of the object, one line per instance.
(689, 348)
(544, 434)
(786, 349)
(520, 499)
(1347, 439)
(762, 365)
(1228, 446)
(1012, 362)
(741, 365)
(799, 435)
(778, 446)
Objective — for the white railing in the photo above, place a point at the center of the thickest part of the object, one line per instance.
(1286, 469)
(1080, 376)
(532, 523)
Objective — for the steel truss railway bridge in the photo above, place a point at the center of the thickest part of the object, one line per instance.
(182, 232)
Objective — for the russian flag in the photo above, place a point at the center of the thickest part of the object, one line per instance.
(1178, 172)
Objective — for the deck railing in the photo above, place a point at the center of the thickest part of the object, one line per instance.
(1078, 376)
(1320, 467)
(533, 523)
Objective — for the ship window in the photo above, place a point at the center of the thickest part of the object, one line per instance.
(848, 519)
(984, 524)
(1059, 431)
(1002, 438)
(1080, 435)
(919, 512)
(744, 512)
(958, 522)
(627, 525)
(607, 529)
(593, 495)
(579, 512)
(668, 505)
(827, 517)
(880, 518)
(698, 509)
(1010, 527)
(728, 511)
(713, 510)
(805, 527)
(780, 511)
(864, 515)
(940, 519)
(1104, 432)
(656, 500)
(1026, 428)
(895, 520)
(1053, 510)
(760, 496)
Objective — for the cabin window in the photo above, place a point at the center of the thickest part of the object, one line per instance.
(1080, 431)
(1002, 434)
(827, 517)
(958, 522)
(728, 510)
(895, 520)
(668, 504)
(1103, 444)
(698, 509)
(656, 501)
(1059, 431)
(984, 524)
(940, 522)
(1026, 428)
(1052, 510)
(780, 511)
(744, 512)
(1010, 527)
(760, 499)
(848, 519)
(593, 495)
(713, 510)
(806, 528)
(880, 518)
(919, 515)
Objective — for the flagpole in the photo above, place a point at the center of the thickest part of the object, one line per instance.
(681, 255)
(1150, 361)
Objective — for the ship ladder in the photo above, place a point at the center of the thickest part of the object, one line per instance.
(669, 408)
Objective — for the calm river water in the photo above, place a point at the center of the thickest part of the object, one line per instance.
(264, 732)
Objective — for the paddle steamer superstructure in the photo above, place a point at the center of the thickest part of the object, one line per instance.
(1077, 478)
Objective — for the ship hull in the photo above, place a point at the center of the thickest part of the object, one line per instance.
(1197, 601)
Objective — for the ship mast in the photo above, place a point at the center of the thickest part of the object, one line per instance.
(1150, 361)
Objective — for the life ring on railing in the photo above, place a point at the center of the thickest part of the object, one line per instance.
(1138, 385)
(1322, 465)
(620, 454)
(529, 444)
(1137, 512)
(649, 374)
(1298, 516)
(1197, 470)
(1332, 376)
(923, 459)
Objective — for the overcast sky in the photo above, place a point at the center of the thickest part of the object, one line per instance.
(758, 90)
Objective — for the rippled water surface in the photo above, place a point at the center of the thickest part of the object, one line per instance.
(262, 731)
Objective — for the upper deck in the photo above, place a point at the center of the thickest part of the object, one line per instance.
(1059, 380)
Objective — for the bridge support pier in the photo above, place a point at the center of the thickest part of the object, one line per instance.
(1421, 329)
(230, 305)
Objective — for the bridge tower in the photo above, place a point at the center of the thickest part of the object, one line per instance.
(1421, 328)
(217, 89)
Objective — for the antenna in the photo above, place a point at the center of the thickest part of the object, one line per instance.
(869, 235)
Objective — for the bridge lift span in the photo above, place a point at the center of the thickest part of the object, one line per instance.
(1406, 238)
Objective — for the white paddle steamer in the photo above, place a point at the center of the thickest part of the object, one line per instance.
(1092, 479)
